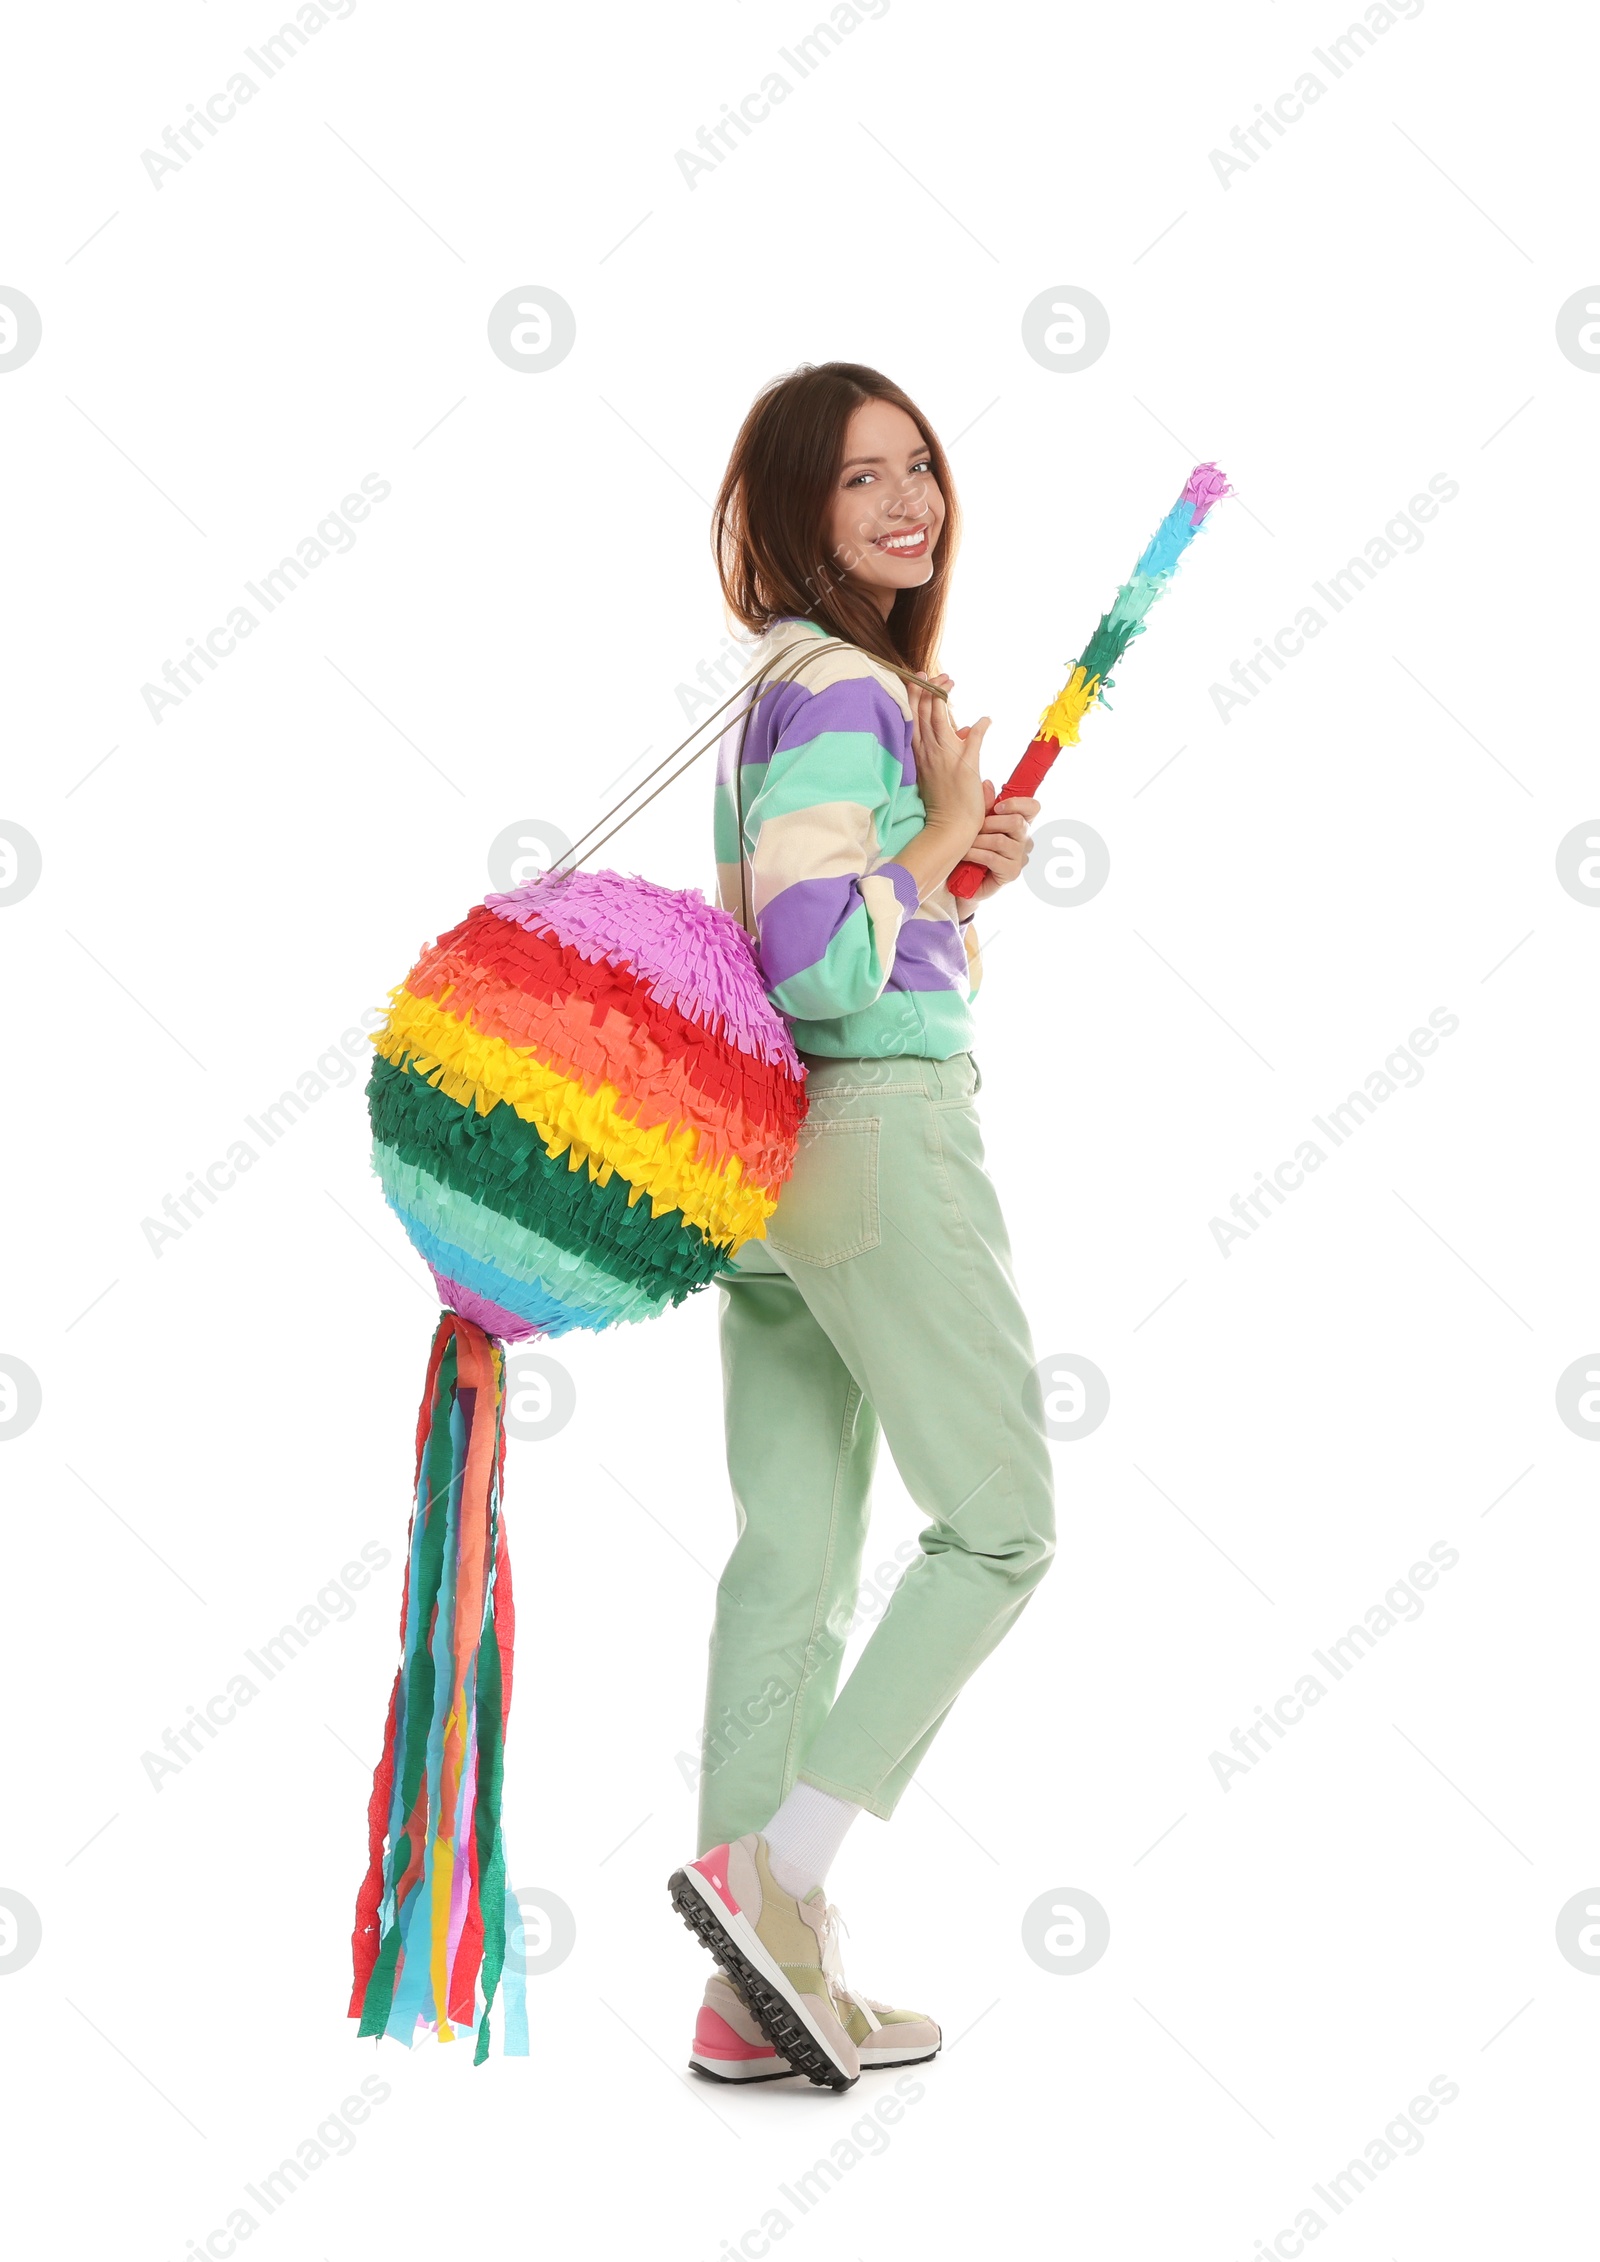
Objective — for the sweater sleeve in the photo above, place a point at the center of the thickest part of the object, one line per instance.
(828, 907)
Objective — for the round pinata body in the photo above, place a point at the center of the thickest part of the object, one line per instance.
(583, 1103)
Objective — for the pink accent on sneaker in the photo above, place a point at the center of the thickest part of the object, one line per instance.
(715, 2038)
(713, 1867)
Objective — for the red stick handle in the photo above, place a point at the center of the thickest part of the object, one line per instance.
(968, 877)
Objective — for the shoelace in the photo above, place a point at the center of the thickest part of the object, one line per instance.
(833, 1969)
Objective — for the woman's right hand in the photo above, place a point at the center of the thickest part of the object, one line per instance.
(949, 772)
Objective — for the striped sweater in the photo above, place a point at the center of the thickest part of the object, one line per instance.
(829, 780)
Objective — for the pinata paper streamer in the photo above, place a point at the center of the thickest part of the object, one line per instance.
(1091, 672)
(582, 1107)
(430, 1937)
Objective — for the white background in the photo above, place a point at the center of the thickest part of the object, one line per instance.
(1371, 303)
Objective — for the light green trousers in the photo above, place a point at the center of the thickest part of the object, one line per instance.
(882, 1296)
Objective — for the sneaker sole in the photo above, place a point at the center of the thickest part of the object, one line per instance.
(767, 1995)
(710, 2069)
(871, 2058)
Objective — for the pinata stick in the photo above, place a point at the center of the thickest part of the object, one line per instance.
(1091, 675)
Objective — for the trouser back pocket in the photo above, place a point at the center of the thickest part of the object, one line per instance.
(828, 1210)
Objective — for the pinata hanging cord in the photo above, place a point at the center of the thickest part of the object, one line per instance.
(429, 1943)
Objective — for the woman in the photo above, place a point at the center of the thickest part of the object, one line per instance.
(882, 1296)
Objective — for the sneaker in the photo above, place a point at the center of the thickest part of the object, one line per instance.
(884, 2036)
(729, 2046)
(772, 1948)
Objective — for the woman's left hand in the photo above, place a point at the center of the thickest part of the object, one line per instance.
(1004, 844)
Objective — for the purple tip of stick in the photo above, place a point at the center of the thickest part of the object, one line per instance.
(1207, 485)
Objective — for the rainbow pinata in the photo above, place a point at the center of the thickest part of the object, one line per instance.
(583, 1106)
(583, 1103)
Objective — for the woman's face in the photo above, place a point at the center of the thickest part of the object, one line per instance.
(887, 508)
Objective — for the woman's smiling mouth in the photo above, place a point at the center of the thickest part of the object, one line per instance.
(903, 543)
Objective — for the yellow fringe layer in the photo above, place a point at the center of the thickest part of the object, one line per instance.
(479, 1071)
(1061, 718)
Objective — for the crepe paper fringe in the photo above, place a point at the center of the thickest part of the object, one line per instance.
(502, 1162)
(563, 1145)
(429, 1944)
(624, 1123)
(693, 956)
(659, 1163)
(1058, 725)
(519, 1251)
(1206, 487)
(1091, 675)
(1091, 672)
(583, 1104)
(492, 1317)
(655, 1079)
(1151, 576)
(518, 974)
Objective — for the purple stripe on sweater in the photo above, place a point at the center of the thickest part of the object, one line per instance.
(790, 715)
(929, 956)
(800, 922)
(905, 887)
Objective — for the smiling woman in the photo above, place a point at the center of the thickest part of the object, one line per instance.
(881, 1301)
(806, 497)
(888, 511)
(835, 828)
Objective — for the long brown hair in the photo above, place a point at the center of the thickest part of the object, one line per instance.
(769, 530)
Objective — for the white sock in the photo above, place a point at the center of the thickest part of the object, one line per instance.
(804, 1835)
